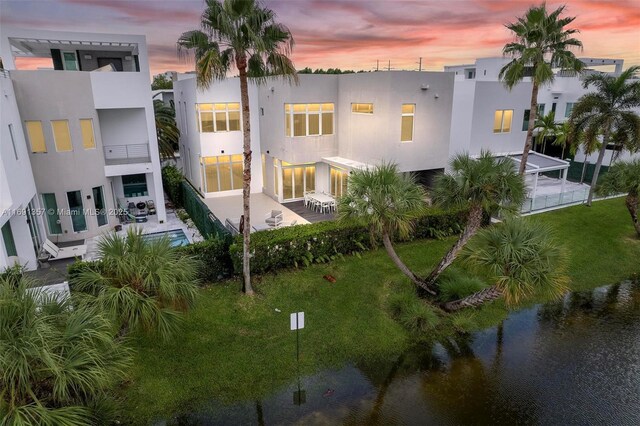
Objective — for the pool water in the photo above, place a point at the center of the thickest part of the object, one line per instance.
(176, 236)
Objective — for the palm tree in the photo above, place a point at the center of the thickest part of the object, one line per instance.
(143, 285)
(546, 127)
(541, 43)
(481, 185)
(624, 177)
(56, 362)
(388, 202)
(562, 139)
(523, 258)
(608, 111)
(166, 129)
(241, 34)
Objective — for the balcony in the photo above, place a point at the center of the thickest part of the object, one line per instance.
(126, 154)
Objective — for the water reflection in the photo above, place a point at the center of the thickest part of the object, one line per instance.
(572, 362)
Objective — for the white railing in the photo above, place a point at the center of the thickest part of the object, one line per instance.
(124, 154)
(543, 202)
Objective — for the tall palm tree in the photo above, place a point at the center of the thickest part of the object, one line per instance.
(607, 111)
(241, 34)
(481, 185)
(166, 129)
(624, 177)
(541, 43)
(523, 258)
(389, 202)
(143, 285)
(546, 127)
(57, 362)
(562, 139)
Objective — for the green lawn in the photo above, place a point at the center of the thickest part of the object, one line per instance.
(236, 348)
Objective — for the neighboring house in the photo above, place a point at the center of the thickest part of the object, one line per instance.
(164, 95)
(89, 131)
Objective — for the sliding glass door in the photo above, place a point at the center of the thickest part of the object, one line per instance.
(338, 181)
(296, 180)
(76, 211)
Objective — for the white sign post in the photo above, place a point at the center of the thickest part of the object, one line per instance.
(297, 324)
(297, 321)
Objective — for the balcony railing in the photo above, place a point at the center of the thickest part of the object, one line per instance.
(554, 200)
(126, 154)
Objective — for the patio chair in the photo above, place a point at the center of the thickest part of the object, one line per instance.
(151, 208)
(64, 252)
(283, 224)
(274, 218)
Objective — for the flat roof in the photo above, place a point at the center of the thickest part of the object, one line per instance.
(537, 163)
(345, 163)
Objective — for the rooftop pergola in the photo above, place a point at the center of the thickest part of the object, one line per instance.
(539, 163)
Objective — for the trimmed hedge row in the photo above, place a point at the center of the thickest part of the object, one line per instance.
(322, 242)
(213, 256)
(172, 182)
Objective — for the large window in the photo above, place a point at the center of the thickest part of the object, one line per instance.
(135, 185)
(569, 109)
(61, 135)
(527, 114)
(70, 61)
(222, 173)
(297, 179)
(502, 121)
(76, 211)
(338, 181)
(408, 113)
(51, 212)
(88, 137)
(218, 117)
(101, 207)
(36, 137)
(9, 242)
(308, 119)
(362, 108)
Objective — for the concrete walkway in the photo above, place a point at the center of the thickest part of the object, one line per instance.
(261, 205)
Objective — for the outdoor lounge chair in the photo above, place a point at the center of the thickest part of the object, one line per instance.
(274, 218)
(64, 252)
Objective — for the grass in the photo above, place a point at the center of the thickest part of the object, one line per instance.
(237, 348)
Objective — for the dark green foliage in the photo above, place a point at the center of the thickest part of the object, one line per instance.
(455, 284)
(172, 182)
(79, 267)
(298, 246)
(13, 274)
(212, 255)
(207, 223)
(412, 312)
(161, 82)
(308, 70)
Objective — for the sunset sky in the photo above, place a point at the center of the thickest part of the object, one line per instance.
(346, 34)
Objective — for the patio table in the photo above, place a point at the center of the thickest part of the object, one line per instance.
(323, 199)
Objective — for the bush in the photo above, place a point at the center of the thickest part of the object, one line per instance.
(78, 267)
(172, 182)
(302, 245)
(214, 262)
(455, 284)
(412, 313)
(207, 223)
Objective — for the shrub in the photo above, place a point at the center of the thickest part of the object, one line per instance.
(75, 269)
(212, 255)
(172, 182)
(455, 284)
(412, 313)
(298, 246)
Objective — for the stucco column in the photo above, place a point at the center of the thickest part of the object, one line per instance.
(535, 186)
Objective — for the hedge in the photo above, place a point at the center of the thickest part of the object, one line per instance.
(297, 246)
(213, 256)
(208, 224)
(172, 182)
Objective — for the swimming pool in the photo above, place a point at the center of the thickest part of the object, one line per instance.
(176, 236)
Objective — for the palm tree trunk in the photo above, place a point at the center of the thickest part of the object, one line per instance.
(481, 297)
(632, 201)
(473, 225)
(596, 172)
(533, 112)
(241, 62)
(386, 240)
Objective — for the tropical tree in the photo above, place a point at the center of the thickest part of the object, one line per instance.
(166, 129)
(546, 127)
(57, 363)
(607, 113)
(624, 177)
(522, 257)
(483, 185)
(241, 34)
(161, 82)
(542, 42)
(389, 202)
(563, 131)
(143, 285)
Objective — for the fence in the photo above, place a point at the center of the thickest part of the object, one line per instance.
(576, 170)
(208, 224)
(554, 200)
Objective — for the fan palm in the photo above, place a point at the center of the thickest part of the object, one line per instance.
(607, 112)
(143, 285)
(541, 43)
(240, 34)
(624, 177)
(56, 363)
(546, 127)
(166, 129)
(481, 185)
(523, 258)
(388, 202)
